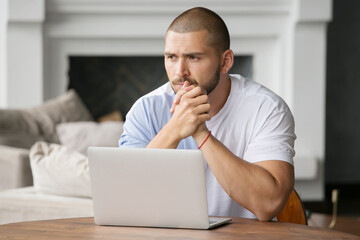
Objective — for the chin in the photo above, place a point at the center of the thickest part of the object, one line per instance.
(175, 88)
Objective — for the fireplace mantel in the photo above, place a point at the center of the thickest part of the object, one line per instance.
(287, 39)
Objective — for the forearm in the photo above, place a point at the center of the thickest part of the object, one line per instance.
(253, 186)
(166, 138)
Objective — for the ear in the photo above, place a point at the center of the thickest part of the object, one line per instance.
(227, 61)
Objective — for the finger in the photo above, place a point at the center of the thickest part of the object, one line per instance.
(181, 93)
(185, 88)
(186, 83)
(196, 91)
(201, 109)
(178, 95)
(176, 101)
(204, 117)
(196, 101)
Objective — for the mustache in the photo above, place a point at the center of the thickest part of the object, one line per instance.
(178, 80)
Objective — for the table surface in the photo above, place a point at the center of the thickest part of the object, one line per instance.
(239, 228)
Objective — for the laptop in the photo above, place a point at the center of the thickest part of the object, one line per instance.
(149, 188)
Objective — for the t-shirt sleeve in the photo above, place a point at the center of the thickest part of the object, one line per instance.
(136, 132)
(273, 137)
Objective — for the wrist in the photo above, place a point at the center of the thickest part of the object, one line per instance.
(199, 137)
(206, 138)
(172, 134)
(166, 138)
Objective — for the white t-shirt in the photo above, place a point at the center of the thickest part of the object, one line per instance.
(255, 124)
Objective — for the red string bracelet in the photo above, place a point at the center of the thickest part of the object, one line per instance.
(204, 140)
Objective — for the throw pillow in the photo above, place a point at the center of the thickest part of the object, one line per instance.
(78, 136)
(60, 171)
(23, 127)
(65, 108)
(113, 116)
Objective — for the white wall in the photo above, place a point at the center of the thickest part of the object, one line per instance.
(3, 21)
(24, 68)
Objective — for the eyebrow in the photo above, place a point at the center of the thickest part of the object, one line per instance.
(186, 54)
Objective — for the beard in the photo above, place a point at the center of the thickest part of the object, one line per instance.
(209, 86)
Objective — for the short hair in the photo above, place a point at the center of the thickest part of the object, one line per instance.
(198, 19)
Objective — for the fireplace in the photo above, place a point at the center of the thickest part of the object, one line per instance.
(108, 84)
(286, 39)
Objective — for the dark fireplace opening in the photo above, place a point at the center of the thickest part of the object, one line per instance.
(108, 84)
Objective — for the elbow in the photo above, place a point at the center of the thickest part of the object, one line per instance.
(269, 208)
(265, 217)
(268, 211)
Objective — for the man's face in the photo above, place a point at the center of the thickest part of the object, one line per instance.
(188, 57)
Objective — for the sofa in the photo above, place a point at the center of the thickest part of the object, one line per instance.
(44, 172)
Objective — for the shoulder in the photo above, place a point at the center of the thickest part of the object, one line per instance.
(163, 90)
(272, 134)
(163, 93)
(254, 93)
(155, 100)
(146, 117)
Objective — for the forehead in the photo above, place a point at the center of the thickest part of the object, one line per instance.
(188, 42)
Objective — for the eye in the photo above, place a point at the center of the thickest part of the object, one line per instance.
(193, 57)
(170, 57)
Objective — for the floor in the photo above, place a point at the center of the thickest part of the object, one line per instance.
(343, 223)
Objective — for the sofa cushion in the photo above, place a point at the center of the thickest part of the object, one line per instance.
(23, 127)
(14, 168)
(18, 128)
(26, 204)
(78, 136)
(58, 170)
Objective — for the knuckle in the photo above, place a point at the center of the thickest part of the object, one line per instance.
(198, 89)
(193, 119)
(186, 104)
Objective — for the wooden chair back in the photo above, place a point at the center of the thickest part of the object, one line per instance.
(294, 211)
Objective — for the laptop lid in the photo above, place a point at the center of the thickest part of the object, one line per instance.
(148, 187)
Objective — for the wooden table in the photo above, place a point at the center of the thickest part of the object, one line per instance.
(84, 228)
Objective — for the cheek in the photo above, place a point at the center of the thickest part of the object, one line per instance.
(168, 69)
(205, 70)
(169, 66)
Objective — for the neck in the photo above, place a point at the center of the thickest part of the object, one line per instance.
(220, 94)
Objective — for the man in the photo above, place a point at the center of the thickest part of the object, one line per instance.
(249, 151)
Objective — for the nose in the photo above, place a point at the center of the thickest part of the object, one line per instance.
(182, 68)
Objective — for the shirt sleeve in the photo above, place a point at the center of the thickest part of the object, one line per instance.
(136, 132)
(274, 136)
(145, 119)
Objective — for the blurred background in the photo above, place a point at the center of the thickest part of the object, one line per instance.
(110, 52)
(342, 154)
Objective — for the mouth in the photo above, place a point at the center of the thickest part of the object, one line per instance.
(179, 82)
(178, 85)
